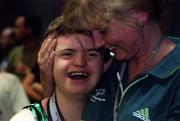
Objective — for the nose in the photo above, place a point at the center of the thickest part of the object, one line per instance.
(98, 39)
(80, 60)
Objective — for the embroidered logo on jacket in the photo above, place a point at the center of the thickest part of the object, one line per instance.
(142, 114)
(98, 96)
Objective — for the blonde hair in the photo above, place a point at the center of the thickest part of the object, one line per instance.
(89, 14)
(85, 15)
(155, 8)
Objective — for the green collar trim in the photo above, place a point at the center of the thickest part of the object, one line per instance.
(170, 64)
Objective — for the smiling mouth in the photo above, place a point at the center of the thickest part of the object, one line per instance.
(111, 47)
(78, 75)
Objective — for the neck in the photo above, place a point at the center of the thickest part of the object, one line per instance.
(152, 35)
(68, 104)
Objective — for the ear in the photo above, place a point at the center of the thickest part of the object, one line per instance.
(141, 17)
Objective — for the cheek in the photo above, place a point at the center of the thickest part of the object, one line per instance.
(59, 68)
(134, 41)
(60, 63)
(109, 37)
(97, 68)
(114, 36)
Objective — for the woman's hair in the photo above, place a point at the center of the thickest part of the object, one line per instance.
(155, 8)
(89, 14)
(85, 14)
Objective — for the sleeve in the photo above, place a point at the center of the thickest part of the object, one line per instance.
(17, 95)
(174, 114)
(23, 115)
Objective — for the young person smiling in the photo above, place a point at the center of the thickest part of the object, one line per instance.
(77, 69)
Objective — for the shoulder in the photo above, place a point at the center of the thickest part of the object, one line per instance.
(8, 75)
(38, 111)
(9, 78)
(23, 115)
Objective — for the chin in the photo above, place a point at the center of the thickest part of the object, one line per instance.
(119, 57)
(122, 56)
(78, 91)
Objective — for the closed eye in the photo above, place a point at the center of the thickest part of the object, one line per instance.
(65, 53)
(92, 54)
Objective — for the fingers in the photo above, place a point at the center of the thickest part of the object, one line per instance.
(51, 59)
(47, 48)
(46, 44)
(46, 57)
(50, 49)
(50, 36)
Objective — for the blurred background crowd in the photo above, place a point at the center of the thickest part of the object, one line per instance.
(22, 24)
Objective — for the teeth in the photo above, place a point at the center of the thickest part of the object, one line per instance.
(111, 47)
(111, 53)
(78, 74)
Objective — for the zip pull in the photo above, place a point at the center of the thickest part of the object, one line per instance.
(120, 87)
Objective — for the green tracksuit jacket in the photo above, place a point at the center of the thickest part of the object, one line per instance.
(152, 96)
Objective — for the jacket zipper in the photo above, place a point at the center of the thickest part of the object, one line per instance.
(117, 106)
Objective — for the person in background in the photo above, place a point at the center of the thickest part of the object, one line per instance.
(7, 43)
(149, 73)
(77, 70)
(22, 59)
(12, 96)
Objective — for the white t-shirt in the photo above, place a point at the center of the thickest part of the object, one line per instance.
(12, 96)
(23, 115)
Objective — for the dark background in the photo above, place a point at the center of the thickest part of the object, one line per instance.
(49, 9)
(45, 9)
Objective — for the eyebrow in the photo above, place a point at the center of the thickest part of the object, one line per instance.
(69, 49)
(93, 49)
